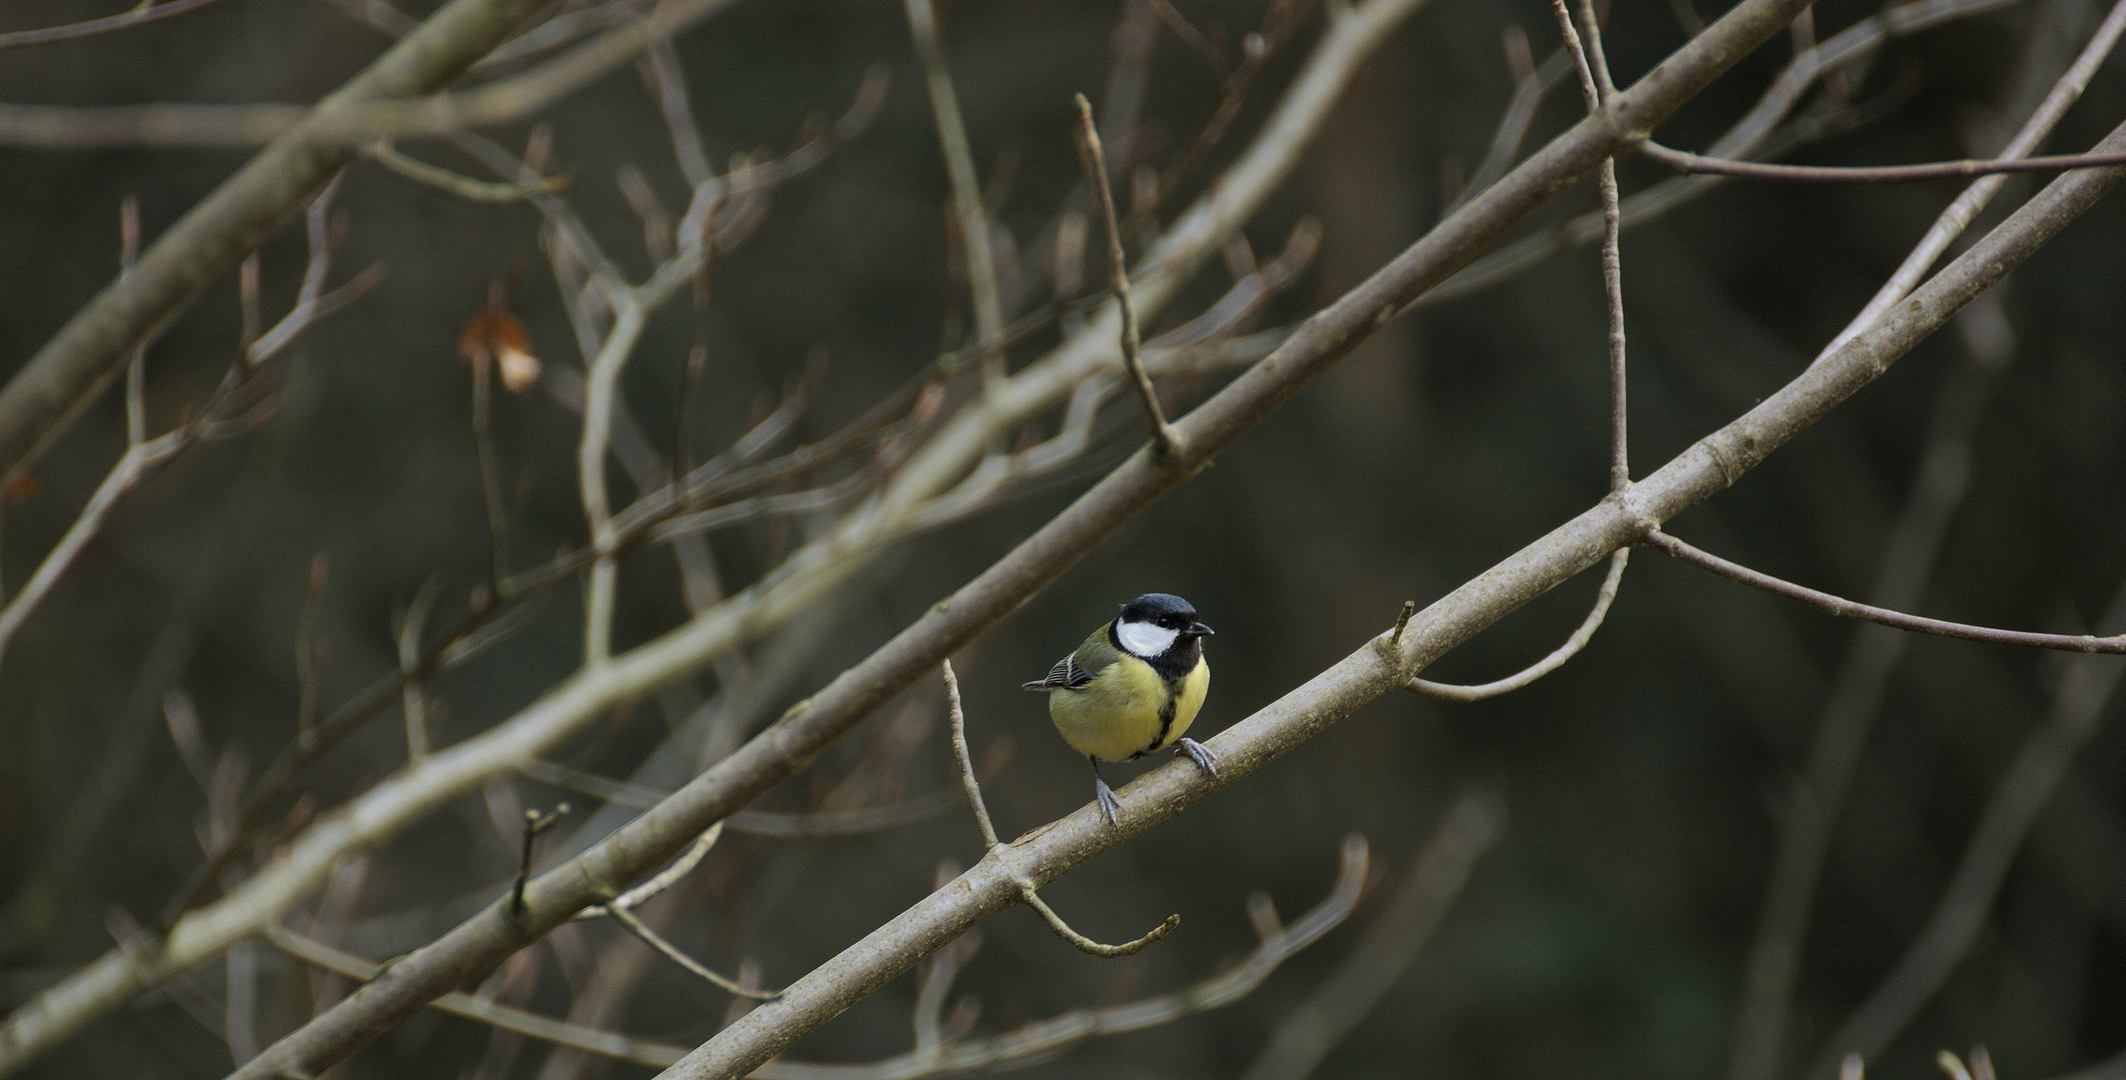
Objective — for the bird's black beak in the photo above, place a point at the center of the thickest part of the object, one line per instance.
(1200, 630)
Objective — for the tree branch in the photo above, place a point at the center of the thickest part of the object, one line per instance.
(1708, 467)
(42, 398)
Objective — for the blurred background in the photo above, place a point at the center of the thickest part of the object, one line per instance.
(1641, 790)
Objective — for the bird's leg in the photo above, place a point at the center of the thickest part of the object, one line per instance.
(1105, 795)
(1200, 754)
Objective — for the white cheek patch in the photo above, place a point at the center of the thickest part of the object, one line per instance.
(1145, 639)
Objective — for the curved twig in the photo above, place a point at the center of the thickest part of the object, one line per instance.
(1548, 664)
(1840, 606)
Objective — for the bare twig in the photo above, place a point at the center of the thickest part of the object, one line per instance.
(1685, 162)
(2046, 755)
(789, 826)
(965, 759)
(349, 122)
(136, 375)
(669, 81)
(678, 956)
(1759, 133)
(642, 845)
(1031, 1041)
(966, 189)
(2081, 643)
(535, 823)
(412, 700)
(1548, 664)
(45, 394)
(1163, 436)
(1597, 91)
(1709, 467)
(1593, 77)
(308, 652)
(143, 13)
(1436, 876)
(1528, 93)
(1958, 215)
(442, 179)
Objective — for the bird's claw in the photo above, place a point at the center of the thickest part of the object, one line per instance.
(1105, 796)
(1201, 755)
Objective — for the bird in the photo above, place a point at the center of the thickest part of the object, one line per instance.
(1133, 687)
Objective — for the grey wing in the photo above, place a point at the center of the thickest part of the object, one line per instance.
(1066, 675)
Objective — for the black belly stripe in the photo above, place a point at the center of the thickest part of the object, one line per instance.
(1166, 720)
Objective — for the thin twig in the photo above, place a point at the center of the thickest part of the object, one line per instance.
(1042, 1037)
(1548, 664)
(1601, 90)
(2078, 708)
(857, 821)
(965, 759)
(142, 13)
(1528, 94)
(307, 649)
(672, 100)
(1164, 439)
(828, 561)
(535, 823)
(675, 954)
(464, 187)
(413, 701)
(1836, 605)
(1413, 915)
(1960, 212)
(1759, 132)
(966, 189)
(1943, 475)
(136, 375)
(1087, 945)
(1685, 162)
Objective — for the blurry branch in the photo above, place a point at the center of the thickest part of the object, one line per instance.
(442, 179)
(783, 825)
(1758, 132)
(2077, 708)
(678, 956)
(1095, 163)
(1528, 93)
(966, 188)
(1684, 162)
(822, 564)
(2081, 643)
(1819, 794)
(45, 395)
(1040, 1038)
(1619, 457)
(222, 414)
(989, 832)
(142, 13)
(1960, 212)
(472, 1007)
(1311, 1029)
(1707, 468)
(345, 121)
(1942, 478)
(1280, 23)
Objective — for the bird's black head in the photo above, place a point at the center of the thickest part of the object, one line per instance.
(1161, 625)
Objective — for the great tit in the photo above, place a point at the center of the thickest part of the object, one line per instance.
(1133, 687)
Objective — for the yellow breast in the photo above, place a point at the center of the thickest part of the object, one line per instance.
(1129, 710)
